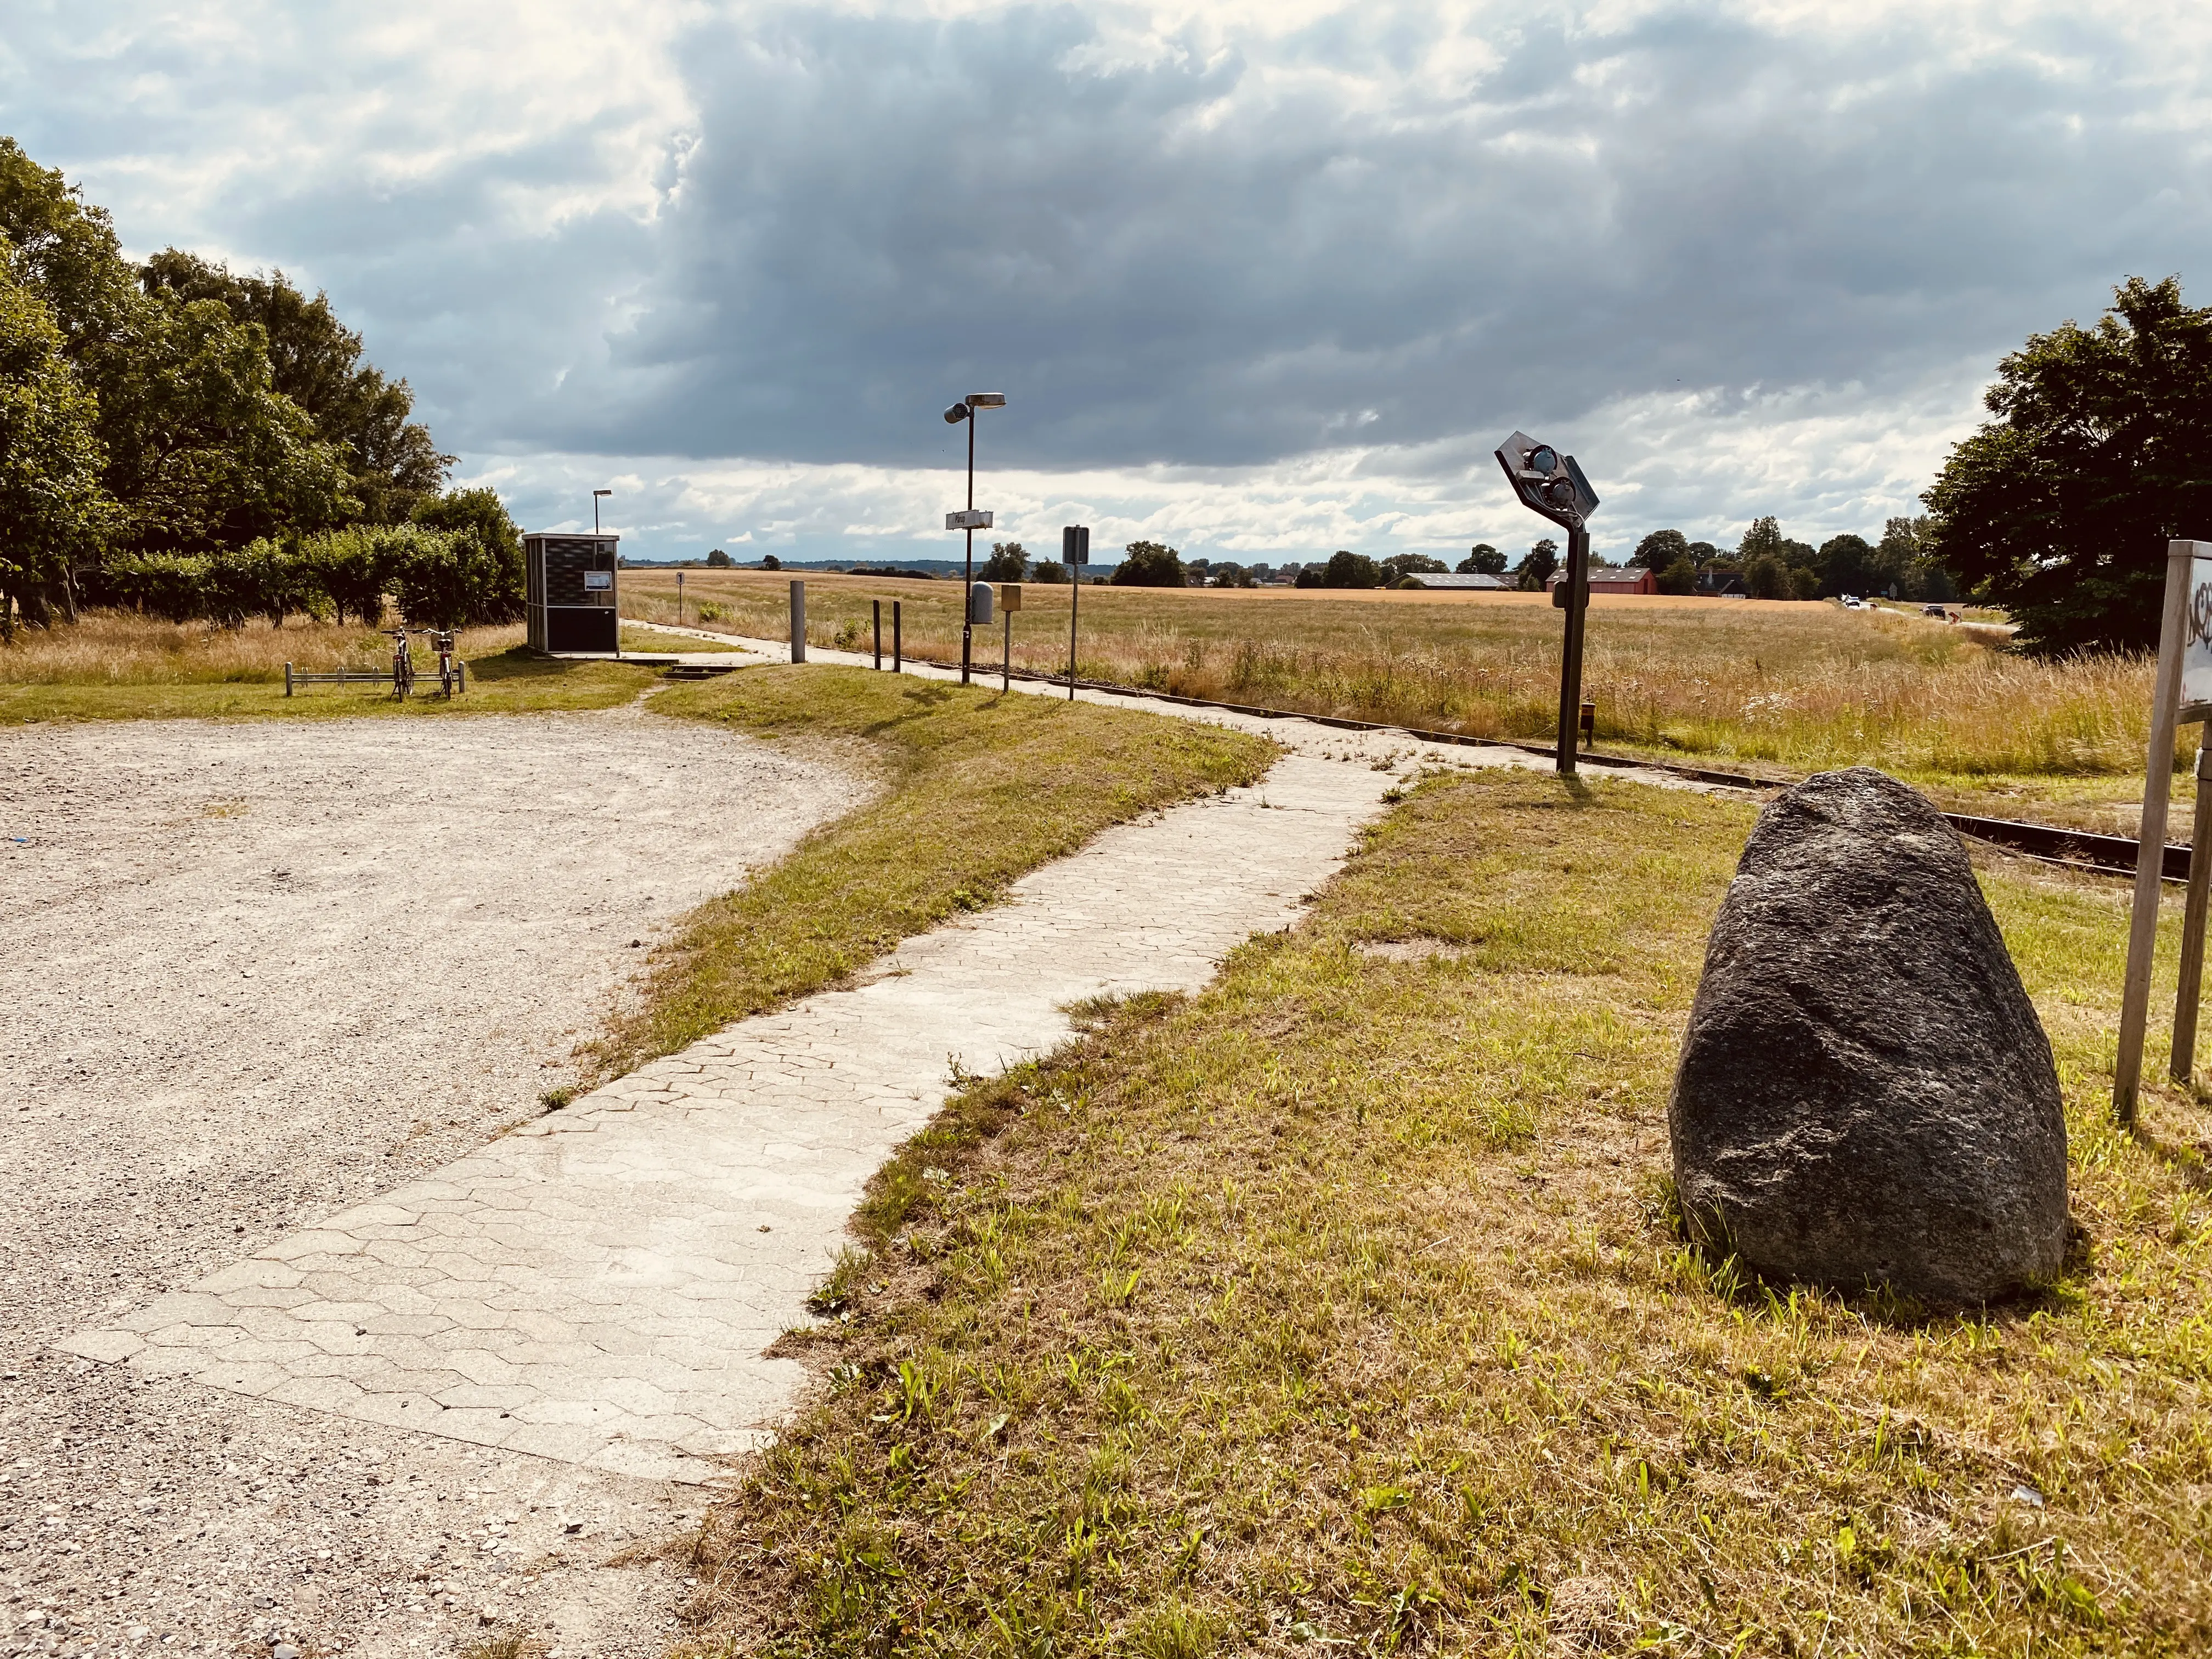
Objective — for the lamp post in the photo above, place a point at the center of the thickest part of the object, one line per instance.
(970, 521)
(1552, 484)
(596, 494)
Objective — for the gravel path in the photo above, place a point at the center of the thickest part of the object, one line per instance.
(256, 972)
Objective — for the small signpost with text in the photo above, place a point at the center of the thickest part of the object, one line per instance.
(2182, 693)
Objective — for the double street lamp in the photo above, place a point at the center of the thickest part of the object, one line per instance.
(1552, 484)
(970, 521)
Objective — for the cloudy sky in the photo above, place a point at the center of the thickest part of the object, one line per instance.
(1261, 279)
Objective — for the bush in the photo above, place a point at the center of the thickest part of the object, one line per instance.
(1680, 577)
(495, 579)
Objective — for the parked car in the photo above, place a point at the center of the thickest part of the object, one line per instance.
(1937, 612)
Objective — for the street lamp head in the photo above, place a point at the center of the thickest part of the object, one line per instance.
(987, 400)
(1547, 482)
(603, 492)
(955, 415)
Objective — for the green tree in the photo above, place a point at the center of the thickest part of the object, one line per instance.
(480, 516)
(53, 513)
(1009, 562)
(1049, 573)
(1765, 577)
(1150, 564)
(1680, 578)
(1535, 572)
(771, 563)
(1411, 564)
(1227, 574)
(1762, 540)
(1351, 570)
(1660, 549)
(1482, 559)
(2100, 451)
(316, 361)
(718, 560)
(1848, 565)
(201, 452)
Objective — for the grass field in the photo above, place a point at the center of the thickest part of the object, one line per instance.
(1343, 1305)
(1784, 687)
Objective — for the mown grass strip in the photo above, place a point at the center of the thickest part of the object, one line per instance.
(977, 789)
(1345, 1302)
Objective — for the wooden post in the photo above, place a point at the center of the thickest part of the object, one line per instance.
(878, 606)
(1006, 657)
(2182, 1066)
(287, 679)
(798, 621)
(898, 641)
(2150, 845)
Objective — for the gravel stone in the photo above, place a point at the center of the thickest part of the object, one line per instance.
(257, 972)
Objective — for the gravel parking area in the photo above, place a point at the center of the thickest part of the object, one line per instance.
(259, 972)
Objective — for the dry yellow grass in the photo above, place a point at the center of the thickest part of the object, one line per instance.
(1798, 688)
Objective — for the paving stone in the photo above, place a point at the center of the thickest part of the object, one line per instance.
(596, 1288)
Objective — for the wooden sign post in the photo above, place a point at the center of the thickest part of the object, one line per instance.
(2181, 693)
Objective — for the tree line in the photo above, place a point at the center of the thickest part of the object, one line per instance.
(183, 440)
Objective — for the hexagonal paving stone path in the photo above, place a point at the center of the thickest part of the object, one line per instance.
(601, 1286)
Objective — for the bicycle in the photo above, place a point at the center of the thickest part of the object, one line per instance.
(402, 663)
(451, 675)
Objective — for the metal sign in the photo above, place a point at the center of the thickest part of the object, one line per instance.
(2184, 619)
(970, 519)
(2196, 642)
(1010, 596)
(1075, 544)
(598, 582)
(1547, 482)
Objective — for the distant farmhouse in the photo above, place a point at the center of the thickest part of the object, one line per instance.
(1634, 579)
(1437, 579)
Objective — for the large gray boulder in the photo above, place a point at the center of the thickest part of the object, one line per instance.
(1865, 1095)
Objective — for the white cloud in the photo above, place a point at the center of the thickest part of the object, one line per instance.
(1262, 277)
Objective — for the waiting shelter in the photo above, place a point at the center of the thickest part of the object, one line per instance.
(569, 590)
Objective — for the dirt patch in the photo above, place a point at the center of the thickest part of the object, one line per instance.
(259, 972)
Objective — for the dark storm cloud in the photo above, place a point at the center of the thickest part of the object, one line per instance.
(1225, 257)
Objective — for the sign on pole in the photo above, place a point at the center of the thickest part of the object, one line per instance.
(971, 518)
(2176, 696)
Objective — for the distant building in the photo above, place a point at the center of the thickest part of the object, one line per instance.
(1635, 578)
(1438, 579)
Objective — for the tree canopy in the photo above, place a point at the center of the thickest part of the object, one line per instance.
(1009, 562)
(1150, 564)
(1482, 559)
(2100, 451)
(51, 500)
(175, 411)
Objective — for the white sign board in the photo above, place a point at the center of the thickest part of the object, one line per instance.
(2196, 642)
(973, 518)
